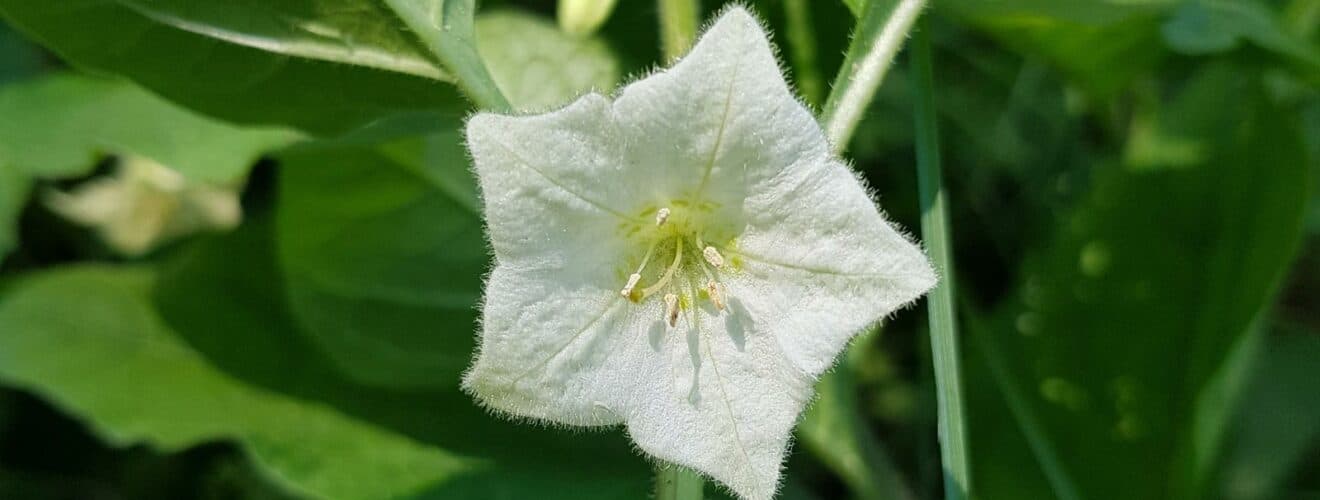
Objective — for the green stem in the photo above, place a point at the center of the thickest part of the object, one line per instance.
(447, 30)
(802, 45)
(678, 25)
(880, 33)
(673, 482)
(935, 232)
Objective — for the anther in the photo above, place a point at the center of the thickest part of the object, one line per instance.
(713, 257)
(632, 283)
(661, 216)
(716, 296)
(671, 309)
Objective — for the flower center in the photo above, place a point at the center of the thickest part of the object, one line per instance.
(679, 263)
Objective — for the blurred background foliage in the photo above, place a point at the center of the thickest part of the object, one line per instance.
(1133, 187)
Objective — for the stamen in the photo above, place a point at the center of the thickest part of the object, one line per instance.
(661, 216)
(671, 309)
(716, 296)
(632, 283)
(669, 273)
(713, 257)
(636, 276)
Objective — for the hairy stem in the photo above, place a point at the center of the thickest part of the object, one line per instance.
(446, 27)
(880, 33)
(677, 483)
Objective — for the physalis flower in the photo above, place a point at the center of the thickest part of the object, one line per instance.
(684, 259)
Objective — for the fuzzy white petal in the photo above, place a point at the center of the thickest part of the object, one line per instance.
(722, 115)
(540, 179)
(727, 404)
(807, 263)
(856, 270)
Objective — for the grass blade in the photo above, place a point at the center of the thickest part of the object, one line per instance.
(935, 233)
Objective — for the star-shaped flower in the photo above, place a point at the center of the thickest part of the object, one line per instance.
(684, 260)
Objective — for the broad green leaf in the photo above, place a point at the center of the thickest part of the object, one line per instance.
(537, 65)
(384, 260)
(1125, 318)
(226, 297)
(325, 66)
(59, 126)
(1214, 26)
(87, 340)
(446, 27)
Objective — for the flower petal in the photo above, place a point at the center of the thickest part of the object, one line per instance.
(725, 405)
(814, 261)
(824, 261)
(540, 182)
(544, 346)
(734, 112)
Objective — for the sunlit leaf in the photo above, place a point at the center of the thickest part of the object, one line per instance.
(117, 365)
(537, 65)
(320, 65)
(60, 125)
(258, 341)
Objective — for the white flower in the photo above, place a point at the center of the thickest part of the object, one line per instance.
(144, 204)
(684, 260)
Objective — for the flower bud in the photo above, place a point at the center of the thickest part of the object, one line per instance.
(583, 17)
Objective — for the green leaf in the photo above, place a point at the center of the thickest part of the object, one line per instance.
(226, 297)
(325, 66)
(540, 67)
(1199, 28)
(59, 126)
(446, 27)
(1125, 318)
(117, 365)
(384, 259)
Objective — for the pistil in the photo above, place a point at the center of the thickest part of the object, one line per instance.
(669, 273)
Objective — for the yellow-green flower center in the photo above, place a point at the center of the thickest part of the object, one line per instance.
(683, 257)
